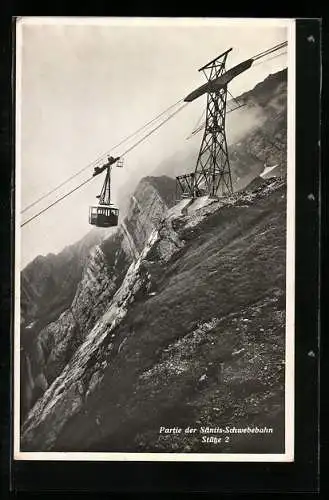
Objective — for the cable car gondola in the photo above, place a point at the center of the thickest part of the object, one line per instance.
(105, 214)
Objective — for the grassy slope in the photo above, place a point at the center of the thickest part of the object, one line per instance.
(207, 349)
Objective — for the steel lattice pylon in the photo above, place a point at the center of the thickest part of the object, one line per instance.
(212, 174)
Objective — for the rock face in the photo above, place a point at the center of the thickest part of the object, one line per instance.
(48, 283)
(48, 287)
(266, 140)
(178, 320)
(64, 295)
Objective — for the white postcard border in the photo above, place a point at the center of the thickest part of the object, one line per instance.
(288, 456)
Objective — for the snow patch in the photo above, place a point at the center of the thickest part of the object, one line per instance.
(266, 171)
(200, 202)
(177, 209)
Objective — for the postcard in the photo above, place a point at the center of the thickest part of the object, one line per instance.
(154, 239)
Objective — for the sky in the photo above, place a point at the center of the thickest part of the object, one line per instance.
(85, 84)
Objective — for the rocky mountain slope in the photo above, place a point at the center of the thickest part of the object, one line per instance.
(63, 295)
(265, 143)
(48, 283)
(178, 320)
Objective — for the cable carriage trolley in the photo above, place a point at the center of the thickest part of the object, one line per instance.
(105, 214)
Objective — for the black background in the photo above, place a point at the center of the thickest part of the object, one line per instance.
(300, 476)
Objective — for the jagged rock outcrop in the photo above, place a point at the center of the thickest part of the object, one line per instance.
(48, 283)
(193, 334)
(265, 141)
(47, 346)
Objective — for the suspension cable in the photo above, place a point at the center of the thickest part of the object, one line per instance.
(93, 177)
(199, 120)
(57, 201)
(269, 51)
(154, 129)
(101, 158)
(264, 61)
(234, 99)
